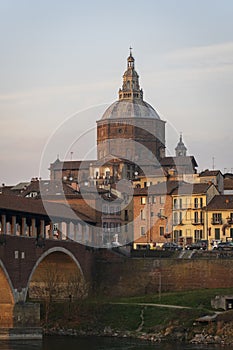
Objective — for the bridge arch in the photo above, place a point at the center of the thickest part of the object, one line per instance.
(7, 290)
(60, 258)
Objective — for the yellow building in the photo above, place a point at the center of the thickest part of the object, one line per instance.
(189, 203)
(219, 217)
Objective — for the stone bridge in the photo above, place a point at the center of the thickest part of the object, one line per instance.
(31, 244)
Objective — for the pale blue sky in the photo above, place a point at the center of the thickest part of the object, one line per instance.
(60, 57)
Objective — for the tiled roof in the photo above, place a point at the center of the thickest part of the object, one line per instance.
(140, 191)
(20, 186)
(208, 172)
(5, 189)
(70, 164)
(166, 187)
(37, 207)
(188, 188)
(162, 188)
(48, 188)
(178, 161)
(221, 202)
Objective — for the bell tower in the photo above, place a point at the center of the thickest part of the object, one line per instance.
(180, 148)
(130, 88)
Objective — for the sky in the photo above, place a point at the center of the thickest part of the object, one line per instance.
(63, 61)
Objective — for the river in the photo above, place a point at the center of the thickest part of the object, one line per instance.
(100, 343)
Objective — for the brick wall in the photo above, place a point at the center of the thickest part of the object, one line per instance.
(140, 276)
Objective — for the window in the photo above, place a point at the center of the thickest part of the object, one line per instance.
(198, 234)
(196, 218)
(162, 199)
(142, 214)
(143, 230)
(161, 230)
(154, 201)
(217, 218)
(126, 215)
(105, 226)
(231, 232)
(177, 235)
(143, 200)
(181, 217)
(217, 233)
(118, 210)
(201, 202)
(175, 218)
(175, 203)
(195, 202)
(180, 203)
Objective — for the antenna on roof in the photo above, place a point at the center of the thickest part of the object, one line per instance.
(71, 155)
(213, 162)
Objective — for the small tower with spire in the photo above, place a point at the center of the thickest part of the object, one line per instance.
(180, 149)
(130, 89)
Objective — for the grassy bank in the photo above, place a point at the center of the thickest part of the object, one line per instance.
(103, 315)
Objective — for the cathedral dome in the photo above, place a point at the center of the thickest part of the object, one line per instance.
(135, 108)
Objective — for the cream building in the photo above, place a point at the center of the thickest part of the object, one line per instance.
(189, 202)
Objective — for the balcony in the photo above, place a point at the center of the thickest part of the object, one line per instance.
(177, 223)
(198, 221)
(216, 221)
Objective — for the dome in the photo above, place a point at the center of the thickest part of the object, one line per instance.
(130, 109)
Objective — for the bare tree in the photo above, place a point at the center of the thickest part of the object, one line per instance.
(51, 284)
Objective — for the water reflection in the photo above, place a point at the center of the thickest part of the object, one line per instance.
(21, 345)
(94, 343)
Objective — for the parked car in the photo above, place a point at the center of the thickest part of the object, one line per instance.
(171, 246)
(215, 243)
(224, 246)
(202, 245)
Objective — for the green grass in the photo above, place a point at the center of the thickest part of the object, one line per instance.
(194, 299)
(97, 314)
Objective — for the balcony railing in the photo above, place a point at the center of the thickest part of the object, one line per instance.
(198, 221)
(216, 221)
(187, 206)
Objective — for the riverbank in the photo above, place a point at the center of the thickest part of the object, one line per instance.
(154, 320)
(203, 335)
